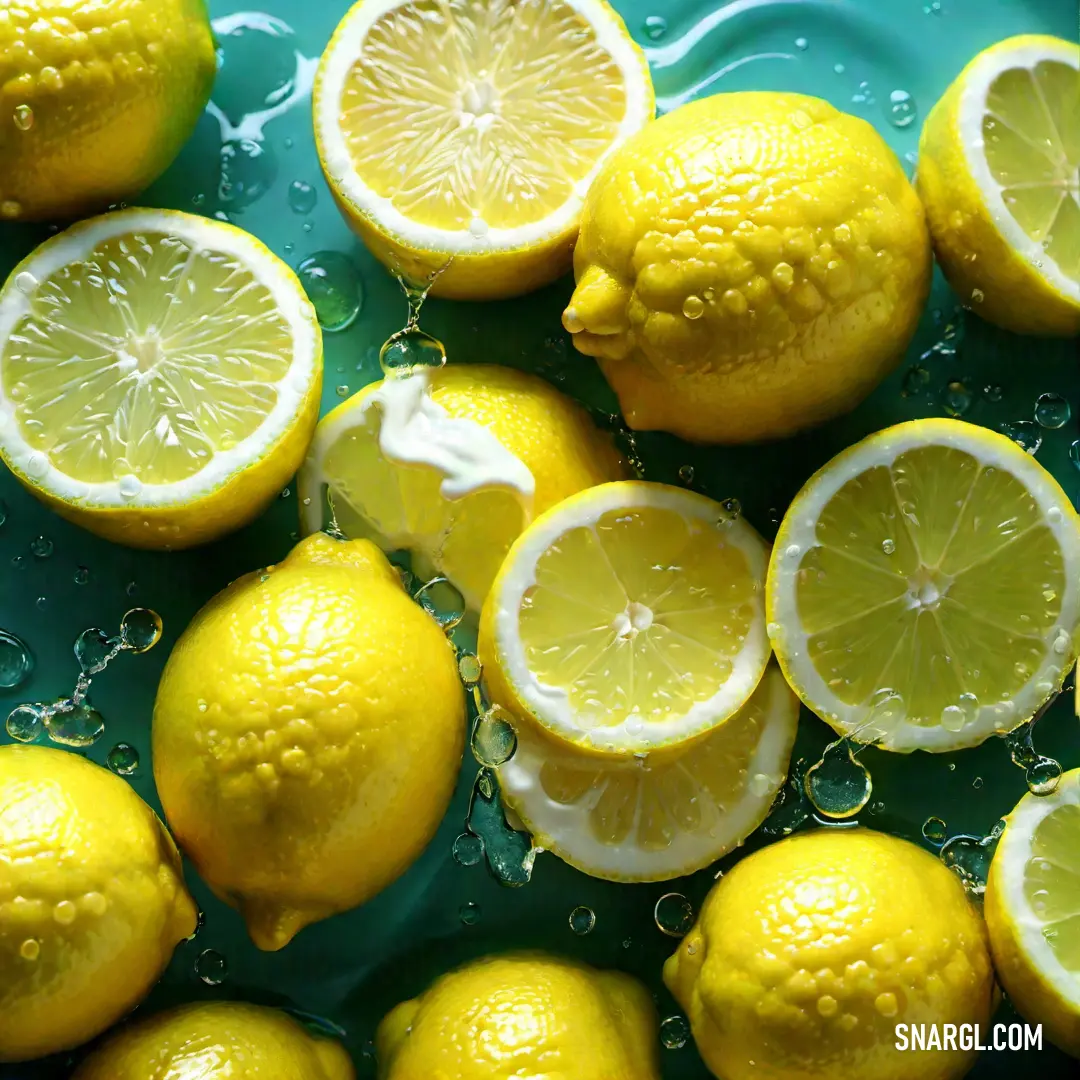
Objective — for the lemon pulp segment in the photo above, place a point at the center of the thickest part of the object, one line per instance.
(633, 615)
(659, 817)
(488, 112)
(931, 586)
(1052, 883)
(1031, 141)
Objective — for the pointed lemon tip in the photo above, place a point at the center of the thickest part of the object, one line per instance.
(571, 321)
(319, 549)
(272, 928)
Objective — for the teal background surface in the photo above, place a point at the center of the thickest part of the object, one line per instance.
(351, 969)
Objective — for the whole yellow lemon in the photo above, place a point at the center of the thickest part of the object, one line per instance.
(307, 736)
(92, 900)
(807, 956)
(749, 265)
(220, 1040)
(524, 1014)
(96, 99)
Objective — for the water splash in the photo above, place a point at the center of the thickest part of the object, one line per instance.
(1042, 773)
(412, 349)
(73, 721)
(791, 809)
(838, 785)
(969, 857)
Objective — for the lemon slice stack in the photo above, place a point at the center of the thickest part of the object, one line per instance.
(626, 631)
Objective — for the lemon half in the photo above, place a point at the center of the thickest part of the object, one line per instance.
(999, 173)
(924, 589)
(1032, 903)
(463, 137)
(628, 618)
(655, 819)
(160, 376)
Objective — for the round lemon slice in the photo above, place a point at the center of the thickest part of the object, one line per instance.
(462, 138)
(924, 589)
(652, 819)
(999, 174)
(1032, 906)
(160, 376)
(628, 618)
(451, 465)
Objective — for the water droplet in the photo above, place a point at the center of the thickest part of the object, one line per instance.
(211, 967)
(18, 562)
(693, 307)
(494, 740)
(82, 575)
(41, 603)
(510, 853)
(977, 296)
(334, 288)
(25, 723)
(792, 551)
(248, 170)
(1074, 453)
(888, 546)
(993, 392)
(74, 723)
(1025, 433)
(902, 109)
(470, 670)
(23, 117)
(469, 913)
(3, 511)
(838, 785)
(94, 649)
(468, 850)
(16, 661)
(673, 914)
(582, 920)
(916, 380)
(802, 43)
(686, 474)
(956, 398)
(129, 486)
(1043, 776)
(977, 783)
(342, 391)
(131, 588)
(933, 8)
(140, 629)
(442, 601)
(674, 1032)
(935, 831)
(411, 350)
(655, 27)
(123, 759)
(1052, 411)
(302, 197)
(41, 547)
(730, 512)
(839, 69)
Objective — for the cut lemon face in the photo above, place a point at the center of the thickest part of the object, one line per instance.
(655, 819)
(1033, 910)
(999, 172)
(924, 589)
(451, 466)
(159, 376)
(464, 136)
(628, 618)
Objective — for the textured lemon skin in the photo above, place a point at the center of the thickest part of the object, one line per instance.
(495, 275)
(223, 1039)
(1034, 995)
(789, 233)
(973, 254)
(241, 499)
(92, 900)
(115, 89)
(307, 735)
(523, 1014)
(808, 954)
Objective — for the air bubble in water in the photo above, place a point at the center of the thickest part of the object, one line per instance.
(655, 27)
(211, 967)
(993, 392)
(956, 398)
(16, 661)
(140, 630)
(494, 740)
(1052, 411)
(673, 914)
(838, 785)
(82, 575)
(411, 350)
(74, 723)
(248, 170)
(888, 546)
(302, 197)
(935, 831)
(334, 288)
(902, 109)
(916, 380)
(582, 920)
(468, 850)
(123, 759)
(1043, 776)
(469, 913)
(23, 117)
(442, 601)
(1025, 433)
(686, 474)
(802, 44)
(25, 723)
(41, 547)
(470, 670)
(674, 1032)
(1074, 452)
